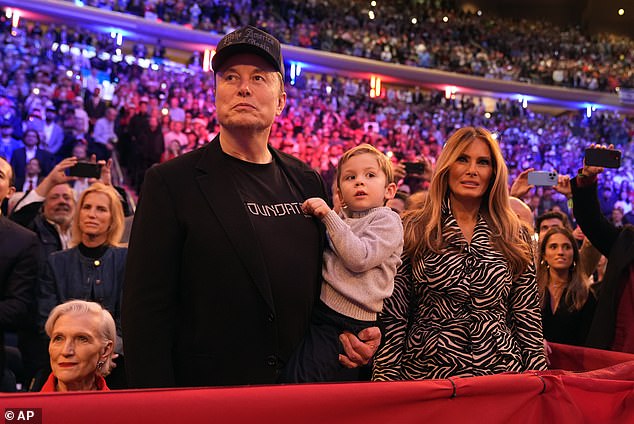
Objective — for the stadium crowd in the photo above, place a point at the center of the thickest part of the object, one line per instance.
(442, 37)
(44, 87)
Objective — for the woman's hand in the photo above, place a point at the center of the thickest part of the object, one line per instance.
(360, 348)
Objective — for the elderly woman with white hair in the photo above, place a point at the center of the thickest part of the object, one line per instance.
(82, 342)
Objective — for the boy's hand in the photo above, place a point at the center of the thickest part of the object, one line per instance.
(316, 206)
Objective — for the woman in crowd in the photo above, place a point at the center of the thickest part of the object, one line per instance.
(567, 302)
(465, 300)
(81, 346)
(174, 150)
(94, 268)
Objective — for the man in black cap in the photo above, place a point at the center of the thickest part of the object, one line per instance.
(223, 267)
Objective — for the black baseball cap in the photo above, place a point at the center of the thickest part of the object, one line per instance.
(249, 39)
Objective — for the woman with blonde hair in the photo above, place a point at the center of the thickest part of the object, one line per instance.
(568, 302)
(82, 342)
(93, 269)
(465, 301)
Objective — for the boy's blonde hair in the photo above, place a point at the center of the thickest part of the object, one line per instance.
(384, 162)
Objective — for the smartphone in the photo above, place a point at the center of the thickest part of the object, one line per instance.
(542, 178)
(605, 158)
(414, 167)
(85, 170)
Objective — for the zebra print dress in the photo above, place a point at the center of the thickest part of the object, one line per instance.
(460, 313)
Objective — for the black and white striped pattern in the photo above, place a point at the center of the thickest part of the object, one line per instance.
(460, 313)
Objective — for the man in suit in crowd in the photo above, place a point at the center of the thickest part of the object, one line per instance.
(223, 267)
(31, 149)
(18, 274)
(53, 132)
(95, 107)
(32, 177)
(48, 209)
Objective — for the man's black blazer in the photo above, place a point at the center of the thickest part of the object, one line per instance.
(18, 276)
(197, 305)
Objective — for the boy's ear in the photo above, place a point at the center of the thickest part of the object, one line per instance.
(390, 191)
(340, 196)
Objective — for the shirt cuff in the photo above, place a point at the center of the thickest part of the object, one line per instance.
(584, 180)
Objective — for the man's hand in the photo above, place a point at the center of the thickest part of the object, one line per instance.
(106, 174)
(360, 348)
(316, 206)
(591, 171)
(563, 185)
(398, 170)
(578, 234)
(428, 172)
(520, 186)
(56, 176)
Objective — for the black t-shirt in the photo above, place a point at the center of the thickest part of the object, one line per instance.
(289, 242)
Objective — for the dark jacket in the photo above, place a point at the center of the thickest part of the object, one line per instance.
(70, 275)
(18, 275)
(30, 216)
(198, 307)
(617, 244)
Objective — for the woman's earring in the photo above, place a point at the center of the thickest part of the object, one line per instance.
(100, 364)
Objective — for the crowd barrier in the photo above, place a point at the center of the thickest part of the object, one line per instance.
(601, 395)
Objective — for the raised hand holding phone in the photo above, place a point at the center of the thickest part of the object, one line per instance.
(589, 170)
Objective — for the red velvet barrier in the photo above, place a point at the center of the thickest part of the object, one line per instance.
(575, 358)
(601, 396)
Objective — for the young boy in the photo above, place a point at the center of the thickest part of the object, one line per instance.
(359, 266)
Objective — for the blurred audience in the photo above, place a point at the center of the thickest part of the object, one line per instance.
(442, 36)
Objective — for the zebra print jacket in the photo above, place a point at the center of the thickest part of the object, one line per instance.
(460, 313)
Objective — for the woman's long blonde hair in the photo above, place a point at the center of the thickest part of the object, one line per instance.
(423, 227)
(578, 289)
(115, 231)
